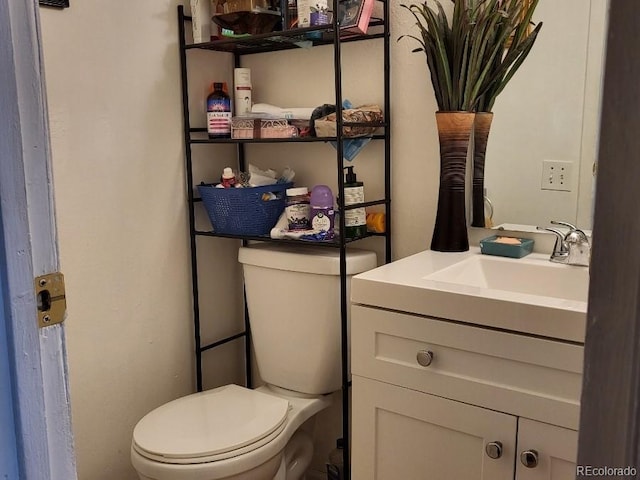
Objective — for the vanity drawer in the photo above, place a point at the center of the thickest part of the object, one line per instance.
(518, 374)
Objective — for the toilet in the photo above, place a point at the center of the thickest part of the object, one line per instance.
(235, 433)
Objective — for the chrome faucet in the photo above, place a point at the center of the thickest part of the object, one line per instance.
(572, 248)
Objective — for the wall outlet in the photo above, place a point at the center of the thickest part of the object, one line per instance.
(557, 175)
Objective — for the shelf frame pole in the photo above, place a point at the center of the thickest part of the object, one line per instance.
(190, 196)
(344, 307)
(242, 166)
(387, 130)
(247, 325)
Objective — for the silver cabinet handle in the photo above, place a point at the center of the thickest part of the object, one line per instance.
(425, 357)
(529, 458)
(493, 450)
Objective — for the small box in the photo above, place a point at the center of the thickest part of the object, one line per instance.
(247, 127)
(354, 16)
(491, 246)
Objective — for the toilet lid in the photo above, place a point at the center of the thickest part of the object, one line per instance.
(210, 423)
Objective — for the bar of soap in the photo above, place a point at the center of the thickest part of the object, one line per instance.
(508, 240)
(506, 246)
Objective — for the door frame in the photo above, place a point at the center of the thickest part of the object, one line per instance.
(610, 405)
(37, 356)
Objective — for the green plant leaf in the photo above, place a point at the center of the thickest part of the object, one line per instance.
(472, 58)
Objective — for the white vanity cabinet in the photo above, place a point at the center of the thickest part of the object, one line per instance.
(445, 400)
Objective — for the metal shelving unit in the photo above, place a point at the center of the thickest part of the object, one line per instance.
(270, 42)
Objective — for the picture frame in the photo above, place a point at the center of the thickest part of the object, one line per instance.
(55, 3)
(354, 16)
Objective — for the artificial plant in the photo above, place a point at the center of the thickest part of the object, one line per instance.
(520, 41)
(472, 58)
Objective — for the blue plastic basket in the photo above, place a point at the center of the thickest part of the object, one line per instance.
(243, 211)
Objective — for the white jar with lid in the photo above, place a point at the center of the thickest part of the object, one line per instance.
(298, 208)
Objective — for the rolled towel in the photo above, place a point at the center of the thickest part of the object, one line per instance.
(297, 113)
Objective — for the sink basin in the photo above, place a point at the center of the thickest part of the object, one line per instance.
(529, 295)
(530, 277)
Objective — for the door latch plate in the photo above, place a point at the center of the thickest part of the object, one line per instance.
(51, 299)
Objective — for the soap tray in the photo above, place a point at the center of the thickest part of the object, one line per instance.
(489, 246)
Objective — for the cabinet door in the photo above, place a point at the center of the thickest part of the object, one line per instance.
(556, 449)
(400, 433)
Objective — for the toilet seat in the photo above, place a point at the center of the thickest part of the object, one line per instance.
(208, 426)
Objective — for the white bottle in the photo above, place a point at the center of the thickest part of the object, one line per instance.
(228, 178)
(201, 20)
(242, 91)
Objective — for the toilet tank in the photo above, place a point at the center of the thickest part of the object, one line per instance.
(293, 297)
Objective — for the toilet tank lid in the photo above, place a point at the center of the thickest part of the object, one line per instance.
(316, 260)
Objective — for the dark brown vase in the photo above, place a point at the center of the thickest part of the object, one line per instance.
(481, 128)
(450, 231)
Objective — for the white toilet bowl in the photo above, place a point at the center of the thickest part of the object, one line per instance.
(234, 433)
(229, 433)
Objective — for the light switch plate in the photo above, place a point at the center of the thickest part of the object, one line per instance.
(557, 175)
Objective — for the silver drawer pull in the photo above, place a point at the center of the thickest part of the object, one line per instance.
(529, 458)
(425, 357)
(493, 450)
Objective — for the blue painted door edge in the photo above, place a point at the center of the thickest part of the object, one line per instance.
(8, 441)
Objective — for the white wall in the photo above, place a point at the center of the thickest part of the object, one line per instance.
(550, 111)
(115, 107)
(115, 111)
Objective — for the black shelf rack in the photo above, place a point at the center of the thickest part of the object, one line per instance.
(271, 42)
(195, 140)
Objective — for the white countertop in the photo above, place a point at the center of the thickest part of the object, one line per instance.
(402, 286)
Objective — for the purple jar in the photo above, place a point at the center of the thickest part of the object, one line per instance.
(322, 212)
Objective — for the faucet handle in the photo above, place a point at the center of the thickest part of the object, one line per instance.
(560, 247)
(575, 235)
(564, 224)
(571, 248)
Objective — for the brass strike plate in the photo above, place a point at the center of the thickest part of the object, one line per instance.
(51, 299)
